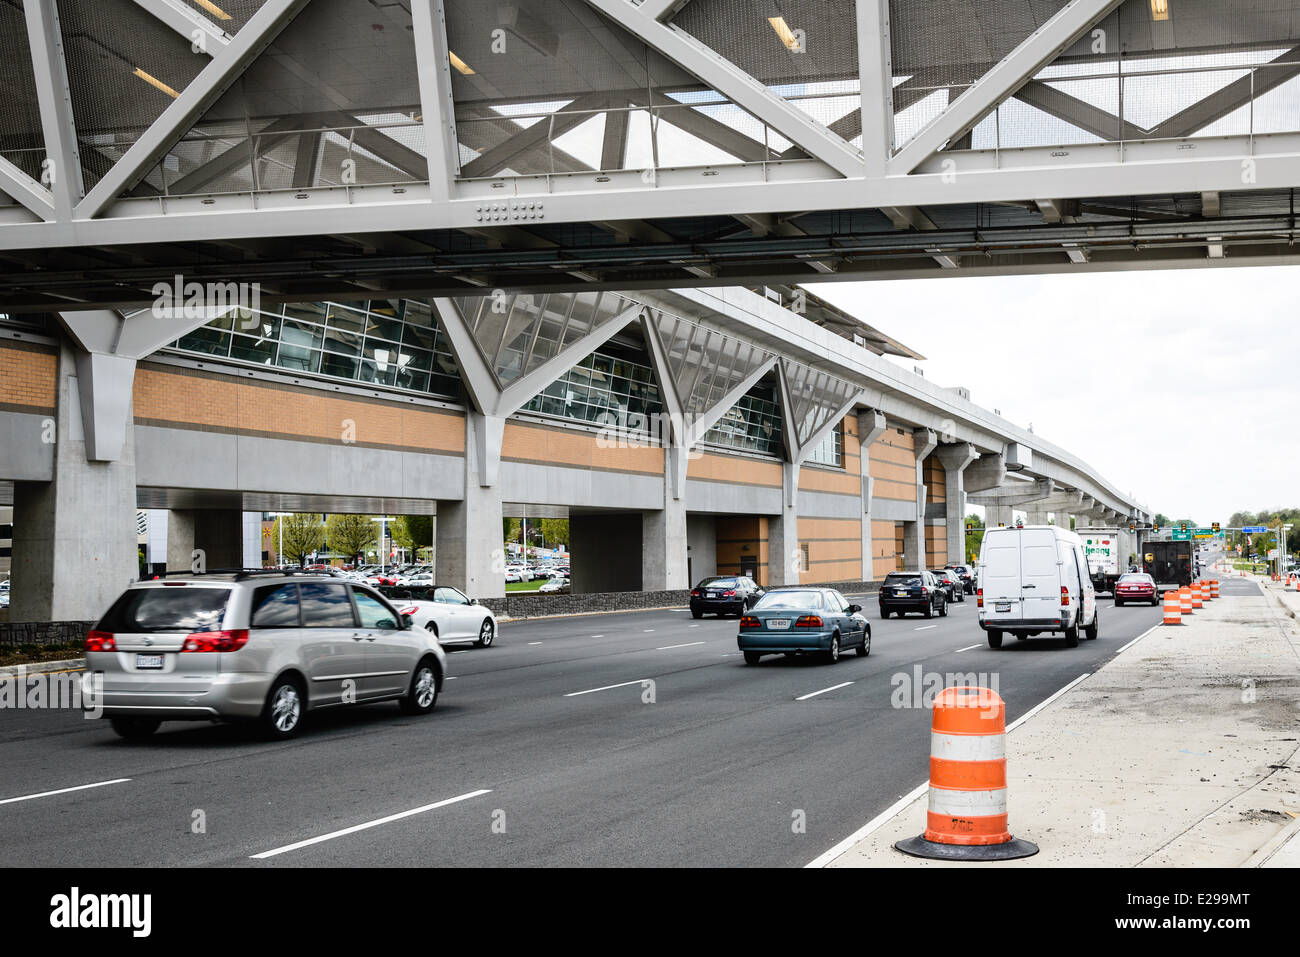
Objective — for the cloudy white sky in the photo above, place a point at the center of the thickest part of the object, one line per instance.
(1182, 386)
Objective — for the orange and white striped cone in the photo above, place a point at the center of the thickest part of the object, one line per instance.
(1185, 600)
(1173, 609)
(967, 816)
(1214, 588)
(1197, 601)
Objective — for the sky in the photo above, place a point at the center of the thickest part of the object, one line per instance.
(1181, 387)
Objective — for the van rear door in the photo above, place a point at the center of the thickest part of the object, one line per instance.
(1040, 574)
(1000, 576)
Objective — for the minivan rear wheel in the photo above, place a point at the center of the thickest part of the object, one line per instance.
(422, 696)
(285, 705)
(133, 728)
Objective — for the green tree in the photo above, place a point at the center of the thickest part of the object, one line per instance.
(304, 533)
(510, 529)
(413, 532)
(350, 535)
(555, 531)
(974, 537)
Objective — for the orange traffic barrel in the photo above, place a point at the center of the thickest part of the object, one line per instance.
(1185, 600)
(1214, 588)
(1173, 608)
(967, 815)
(1196, 595)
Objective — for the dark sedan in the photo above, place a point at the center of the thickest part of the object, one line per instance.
(795, 620)
(1136, 586)
(953, 588)
(966, 575)
(902, 592)
(731, 595)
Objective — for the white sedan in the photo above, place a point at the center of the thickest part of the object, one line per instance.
(451, 617)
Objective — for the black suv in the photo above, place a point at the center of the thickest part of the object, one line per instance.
(724, 595)
(912, 591)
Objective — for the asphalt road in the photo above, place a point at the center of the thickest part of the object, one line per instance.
(724, 766)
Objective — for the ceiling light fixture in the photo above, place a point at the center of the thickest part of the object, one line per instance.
(788, 36)
(1159, 9)
(156, 83)
(460, 64)
(213, 9)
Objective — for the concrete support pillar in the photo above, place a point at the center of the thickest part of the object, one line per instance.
(663, 547)
(871, 425)
(467, 538)
(783, 553)
(995, 515)
(1035, 515)
(955, 460)
(180, 539)
(74, 538)
(216, 533)
(924, 441)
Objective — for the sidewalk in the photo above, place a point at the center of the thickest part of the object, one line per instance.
(1182, 751)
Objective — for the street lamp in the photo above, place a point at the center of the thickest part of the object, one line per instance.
(279, 525)
(383, 534)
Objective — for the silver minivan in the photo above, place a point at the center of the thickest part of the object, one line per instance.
(1034, 579)
(259, 647)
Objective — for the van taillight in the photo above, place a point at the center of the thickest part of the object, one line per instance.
(1065, 596)
(979, 598)
(100, 641)
(201, 641)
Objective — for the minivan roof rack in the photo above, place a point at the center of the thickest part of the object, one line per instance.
(239, 573)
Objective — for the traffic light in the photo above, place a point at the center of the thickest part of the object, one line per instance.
(1215, 527)
(1183, 526)
(1132, 527)
(970, 526)
(1155, 527)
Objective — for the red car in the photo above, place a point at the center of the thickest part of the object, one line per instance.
(1136, 586)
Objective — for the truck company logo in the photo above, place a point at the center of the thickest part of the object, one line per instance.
(76, 910)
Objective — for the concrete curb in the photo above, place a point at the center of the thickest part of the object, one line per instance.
(589, 614)
(42, 667)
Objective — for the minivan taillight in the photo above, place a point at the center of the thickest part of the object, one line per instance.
(201, 641)
(1065, 596)
(979, 598)
(100, 641)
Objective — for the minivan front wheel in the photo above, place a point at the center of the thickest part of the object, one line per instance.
(423, 694)
(133, 728)
(285, 705)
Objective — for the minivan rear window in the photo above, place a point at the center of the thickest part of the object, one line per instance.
(275, 606)
(183, 608)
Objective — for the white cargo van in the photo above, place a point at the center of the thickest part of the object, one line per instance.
(1034, 579)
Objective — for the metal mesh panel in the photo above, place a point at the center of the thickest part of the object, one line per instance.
(21, 140)
(939, 48)
(704, 363)
(751, 425)
(604, 388)
(124, 67)
(333, 101)
(1211, 69)
(803, 50)
(551, 86)
(229, 15)
(814, 397)
(517, 334)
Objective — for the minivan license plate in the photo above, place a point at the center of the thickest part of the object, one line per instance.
(1002, 606)
(144, 662)
(778, 624)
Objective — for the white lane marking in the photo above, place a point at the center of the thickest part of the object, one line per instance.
(1141, 636)
(967, 648)
(597, 636)
(534, 642)
(693, 626)
(646, 631)
(925, 627)
(369, 824)
(624, 684)
(79, 787)
(688, 644)
(822, 860)
(842, 684)
(1044, 703)
(452, 677)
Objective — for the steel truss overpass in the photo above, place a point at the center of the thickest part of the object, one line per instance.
(341, 148)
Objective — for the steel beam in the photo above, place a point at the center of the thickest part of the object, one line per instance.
(258, 33)
(54, 100)
(188, 22)
(739, 87)
(1009, 74)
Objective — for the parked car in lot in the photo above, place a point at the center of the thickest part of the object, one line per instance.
(902, 592)
(967, 576)
(1136, 586)
(447, 613)
(724, 595)
(264, 647)
(1034, 579)
(559, 584)
(951, 584)
(797, 621)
